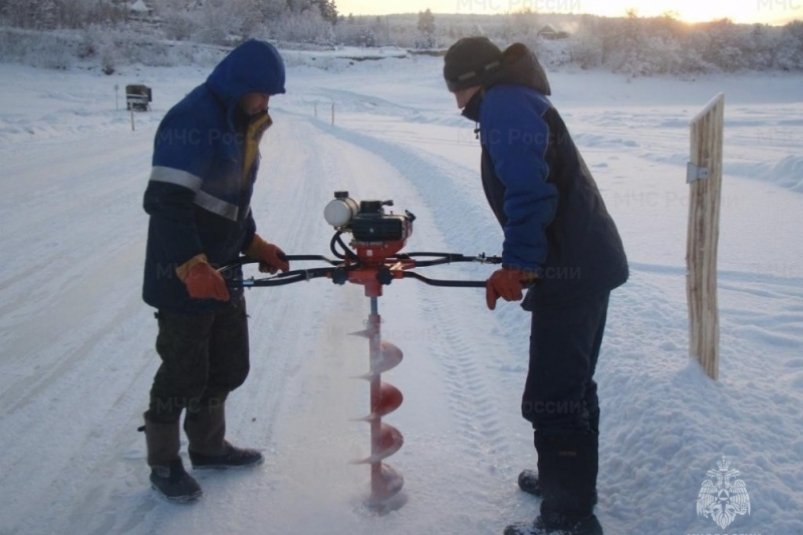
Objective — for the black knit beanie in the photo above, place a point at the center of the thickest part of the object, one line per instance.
(471, 61)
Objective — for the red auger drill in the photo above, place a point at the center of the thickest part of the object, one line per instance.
(372, 259)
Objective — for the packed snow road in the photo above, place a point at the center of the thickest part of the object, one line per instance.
(77, 353)
(77, 380)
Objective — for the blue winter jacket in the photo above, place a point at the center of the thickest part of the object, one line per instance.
(200, 188)
(516, 137)
(554, 219)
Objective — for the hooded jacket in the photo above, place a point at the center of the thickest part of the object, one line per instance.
(205, 162)
(554, 219)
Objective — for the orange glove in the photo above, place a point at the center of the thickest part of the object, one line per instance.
(506, 283)
(202, 280)
(271, 258)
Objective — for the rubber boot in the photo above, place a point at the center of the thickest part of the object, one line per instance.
(206, 431)
(168, 476)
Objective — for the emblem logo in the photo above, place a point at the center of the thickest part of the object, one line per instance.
(722, 498)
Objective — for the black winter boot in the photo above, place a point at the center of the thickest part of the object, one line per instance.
(230, 457)
(528, 482)
(174, 483)
(567, 470)
(586, 526)
(567, 477)
(205, 429)
(168, 476)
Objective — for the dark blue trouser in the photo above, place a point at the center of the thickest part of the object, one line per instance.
(560, 393)
(560, 401)
(204, 357)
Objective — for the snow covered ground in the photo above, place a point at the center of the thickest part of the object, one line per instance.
(76, 342)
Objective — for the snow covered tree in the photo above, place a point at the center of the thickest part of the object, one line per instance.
(328, 10)
(307, 26)
(630, 44)
(20, 13)
(790, 47)
(51, 14)
(381, 30)
(356, 31)
(523, 26)
(271, 9)
(426, 27)
(586, 47)
(715, 40)
(764, 45)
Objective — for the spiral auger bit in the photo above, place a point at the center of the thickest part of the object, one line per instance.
(372, 259)
(386, 483)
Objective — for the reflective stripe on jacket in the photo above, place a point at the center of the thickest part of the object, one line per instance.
(205, 162)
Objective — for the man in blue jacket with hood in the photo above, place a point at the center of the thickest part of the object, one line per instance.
(561, 245)
(205, 161)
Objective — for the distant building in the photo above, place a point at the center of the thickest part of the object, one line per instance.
(140, 8)
(549, 32)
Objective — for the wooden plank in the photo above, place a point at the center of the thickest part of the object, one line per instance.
(705, 177)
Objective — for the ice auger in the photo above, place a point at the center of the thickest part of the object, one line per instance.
(373, 260)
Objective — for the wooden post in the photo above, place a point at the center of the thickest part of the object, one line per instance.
(704, 175)
(333, 113)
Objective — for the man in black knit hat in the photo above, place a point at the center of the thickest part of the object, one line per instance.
(562, 248)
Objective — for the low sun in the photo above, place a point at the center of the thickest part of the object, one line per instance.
(739, 11)
(700, 11)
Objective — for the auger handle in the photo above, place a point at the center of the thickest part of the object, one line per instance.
(300, 275)
(448, 258)
(244, 260)
(441, 282)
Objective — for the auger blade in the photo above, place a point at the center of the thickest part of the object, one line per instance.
(389, 357)
(387, 442)
(366, 333)
(390, 399)
(385, 484)
(385, 398)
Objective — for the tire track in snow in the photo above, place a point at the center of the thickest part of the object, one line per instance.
(463, 359)
(76, 421)
(74, 331)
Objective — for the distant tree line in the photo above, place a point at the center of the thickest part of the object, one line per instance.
(632, 45)
(211, 21)
(52, 14)
(664, 45)
(629, 44)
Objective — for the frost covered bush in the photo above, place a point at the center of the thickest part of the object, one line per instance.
(663, 45)
(789, 55)
(52, 14)
(51, 51)
(178, 25)
(586, 51)
(97, 43)
(364, 31)
(307, 26)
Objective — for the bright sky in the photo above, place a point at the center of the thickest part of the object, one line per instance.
(769, 11)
